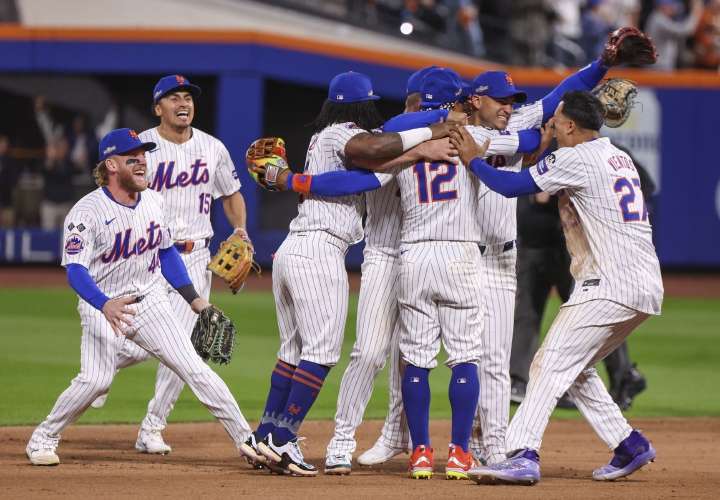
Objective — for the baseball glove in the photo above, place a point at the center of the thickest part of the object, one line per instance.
(214, 336)
(234, 261)
(629, 46)
(266, 161)
(618, 98)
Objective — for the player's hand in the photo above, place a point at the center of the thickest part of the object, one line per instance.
(466, 146)
(547, 134)
(438, 150)
(199, 305)
(457, 117)
(119, 313)
(440, 130)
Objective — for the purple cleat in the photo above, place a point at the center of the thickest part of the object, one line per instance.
(634, 452)
(521, 468)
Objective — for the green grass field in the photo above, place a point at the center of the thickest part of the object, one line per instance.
(40, 354)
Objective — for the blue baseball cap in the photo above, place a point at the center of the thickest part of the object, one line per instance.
(498, 85)
(169, 83)
(440, 86)
(351, 87)
(415, 80)
(467, 88)
(121, 141)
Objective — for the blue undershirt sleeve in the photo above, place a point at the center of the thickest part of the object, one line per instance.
(341, 183)
(173, 268)
(585, 79)
(508, 184)
(529, 140)
(418, 119)
(80, 280)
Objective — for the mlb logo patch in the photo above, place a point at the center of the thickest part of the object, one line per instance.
(74, 245)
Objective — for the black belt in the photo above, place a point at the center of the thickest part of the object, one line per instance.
(507, 246)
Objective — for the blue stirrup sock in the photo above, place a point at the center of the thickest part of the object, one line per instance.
(416, 400)
(280, 382)
(304, 389)
(463, 391)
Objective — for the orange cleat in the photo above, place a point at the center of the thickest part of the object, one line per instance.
(421, 463)
(459, 463)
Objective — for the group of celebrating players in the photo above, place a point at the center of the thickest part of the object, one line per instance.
(436, 188)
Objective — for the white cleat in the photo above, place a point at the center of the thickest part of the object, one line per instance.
(338, 465)
(46, 456)
(99, 401)
(151, 442)
(379, 454)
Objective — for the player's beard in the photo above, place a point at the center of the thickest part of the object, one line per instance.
(130, 183)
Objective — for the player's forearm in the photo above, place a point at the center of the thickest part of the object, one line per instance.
(508, 184)
(174, 271)
(585, 79)
(235, 211)
(333, 184)
(80, 280)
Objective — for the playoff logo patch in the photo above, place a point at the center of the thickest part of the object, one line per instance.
(74, 244)
(546, 163)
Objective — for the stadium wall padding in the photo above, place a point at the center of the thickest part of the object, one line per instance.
(686, 218)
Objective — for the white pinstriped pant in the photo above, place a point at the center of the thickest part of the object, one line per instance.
(377, 338)
(493, 412)
(441, 299)
(311, 290)
(580, 336)
(158, 334)
(168, 385)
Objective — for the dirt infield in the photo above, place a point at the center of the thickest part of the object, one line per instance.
(676, 284)
(99, 461)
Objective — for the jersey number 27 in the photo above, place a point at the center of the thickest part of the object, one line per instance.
(631, 200)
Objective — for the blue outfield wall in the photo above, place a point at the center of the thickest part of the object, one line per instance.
(683, 131)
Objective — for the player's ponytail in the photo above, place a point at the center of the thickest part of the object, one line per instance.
(100, 174)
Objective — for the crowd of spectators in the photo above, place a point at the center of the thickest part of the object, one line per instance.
(550, 33)
(39, 185)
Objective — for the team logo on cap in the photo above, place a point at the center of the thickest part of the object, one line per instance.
(481, 89)
(74, 245)
(509, 80)
(180, 79)
(109, 149)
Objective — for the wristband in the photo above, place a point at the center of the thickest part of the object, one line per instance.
(188, 293)
(411, 138)
(300, 183)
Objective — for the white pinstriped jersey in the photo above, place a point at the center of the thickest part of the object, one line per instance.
(116, 243)
(498, 215)
(189, 176)
(384, 218)
(439, 200)
(340, 216)
(606, 224)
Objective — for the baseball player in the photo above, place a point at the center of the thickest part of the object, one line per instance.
(309, 277)
(117, 243)
(619, 285)
(189, 168)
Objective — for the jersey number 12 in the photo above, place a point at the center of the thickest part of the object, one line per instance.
(435, 193)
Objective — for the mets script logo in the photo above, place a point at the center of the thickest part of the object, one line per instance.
(74, 244)
(164, 178)
(124, 249)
